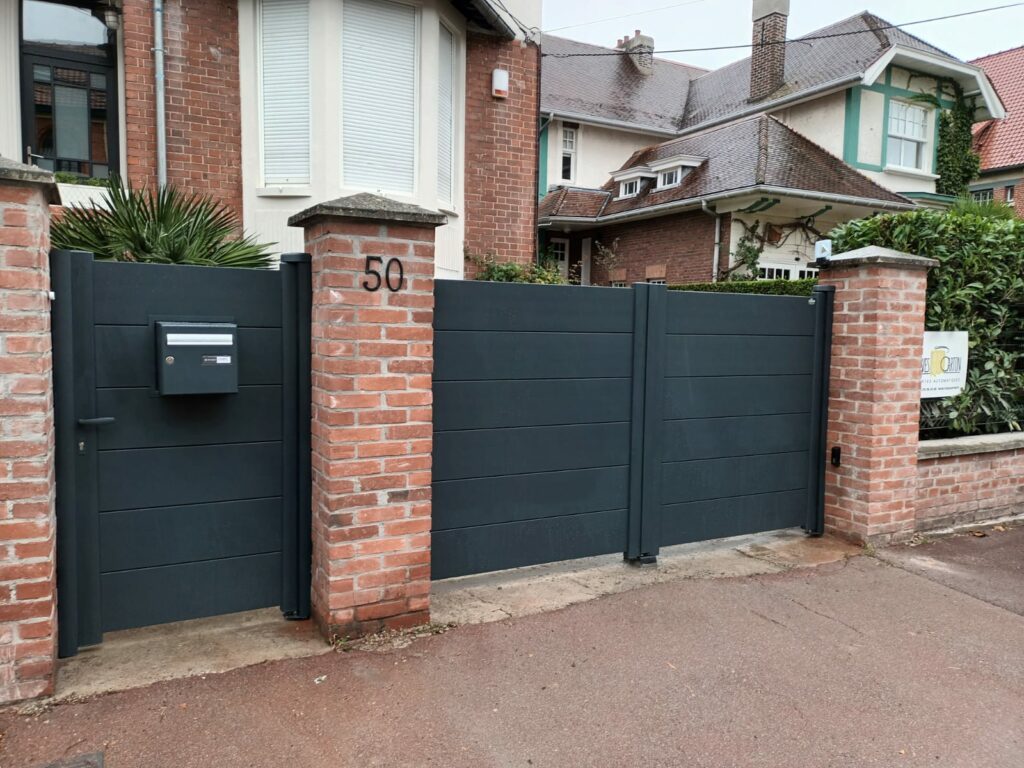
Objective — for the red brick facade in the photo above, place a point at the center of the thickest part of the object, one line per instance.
(501, 150)
(969, 487)
(27, 524)
(678, 249)
(874, 394)
(204, 129)
(372, 432)
(999, 194)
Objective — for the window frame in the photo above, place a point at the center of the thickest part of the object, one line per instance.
(678, 178)
(623, 194)
(31, 54)
(923, 142)
(563, 263)
(570, 153)
(986, 195)
(1009, 194)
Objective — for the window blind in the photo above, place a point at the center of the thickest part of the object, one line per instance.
(379, 95)
(446, 115)
(284, 92)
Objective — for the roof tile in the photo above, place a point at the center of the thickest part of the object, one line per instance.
(1001, 142)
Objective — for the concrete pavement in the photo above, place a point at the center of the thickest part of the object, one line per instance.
(858, 663)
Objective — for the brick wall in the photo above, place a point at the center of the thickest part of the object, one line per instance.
(678, 248)
(501, 150)
(372, 430)
(999, 194)
(767, 61)
(970, 486)
(27, 525)
(204, 133)
(874, 394)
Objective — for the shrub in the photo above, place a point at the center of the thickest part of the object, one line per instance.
(544, 272)
(165, 227)
(767, 287)
(978, 287)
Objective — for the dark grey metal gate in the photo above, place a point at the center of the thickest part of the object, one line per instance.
(580, 421)
(176, 507)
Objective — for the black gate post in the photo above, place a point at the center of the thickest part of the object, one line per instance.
(822, 299)
(296, 295)
(647, 414)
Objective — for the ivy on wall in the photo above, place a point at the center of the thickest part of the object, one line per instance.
(957, 164)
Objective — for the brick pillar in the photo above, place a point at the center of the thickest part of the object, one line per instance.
(874, 395)
(372, 421)
(27, 524)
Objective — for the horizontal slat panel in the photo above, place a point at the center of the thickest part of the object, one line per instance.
(489, 500)
(176, 592)
(126, 356)
(130, 294)
(484, 404)
(481, 306)
(511, 545)
(740, 436)
(157, 477)
(487, 453)
(737, 313)
(738, 355)
(143, 538)
(480, 355)
(718, 518)
(720, 478)
(736, 396)
(145, 420)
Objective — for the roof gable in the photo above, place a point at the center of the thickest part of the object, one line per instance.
(1001, 142)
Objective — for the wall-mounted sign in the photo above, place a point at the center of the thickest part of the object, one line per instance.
(943, 363)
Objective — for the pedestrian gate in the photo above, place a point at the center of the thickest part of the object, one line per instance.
(175, 506)
(577, 421)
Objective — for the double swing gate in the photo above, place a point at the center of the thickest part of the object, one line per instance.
(572, 422)
(182, 419)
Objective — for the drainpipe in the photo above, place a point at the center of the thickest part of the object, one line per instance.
(718, 239)
(161, 89)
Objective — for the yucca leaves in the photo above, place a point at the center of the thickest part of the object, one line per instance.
(164, 227)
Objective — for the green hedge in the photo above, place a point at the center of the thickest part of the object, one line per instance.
(978, 287)
(766, 287)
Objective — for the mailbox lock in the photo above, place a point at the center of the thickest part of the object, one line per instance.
(169, 360)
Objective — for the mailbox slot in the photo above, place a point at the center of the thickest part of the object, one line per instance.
(196, 358)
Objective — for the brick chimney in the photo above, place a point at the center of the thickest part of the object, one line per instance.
(641, 50)
(768, 56)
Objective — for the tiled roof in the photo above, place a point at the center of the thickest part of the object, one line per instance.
(1001, 142)
(611, 87)
(757, 151)
(809, 64)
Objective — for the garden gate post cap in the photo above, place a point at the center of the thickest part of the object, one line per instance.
(369, 207)
(876, 255)
(12, 170)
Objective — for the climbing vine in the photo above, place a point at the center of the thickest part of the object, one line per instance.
(956, 163)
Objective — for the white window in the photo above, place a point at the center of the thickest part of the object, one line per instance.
(777, 272)
(908, 135)
(618, 284)
(668, 178)
(560, 253)
(982, 195)
(446, 61)
(1009, 195)
(284, 91)
(660, 281)
(569, 138)
(629, 188)
(379, 114)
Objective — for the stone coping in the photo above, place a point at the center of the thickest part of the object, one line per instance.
(369, 207)
(12, 170)
(964, 446)
(875, 255)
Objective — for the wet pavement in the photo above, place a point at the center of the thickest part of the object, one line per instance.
(854, 663)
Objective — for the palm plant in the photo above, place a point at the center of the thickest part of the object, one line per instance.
(169, 226)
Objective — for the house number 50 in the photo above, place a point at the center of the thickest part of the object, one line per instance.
(394, 274)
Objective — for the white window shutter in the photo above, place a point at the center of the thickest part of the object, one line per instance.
(379, 95)
(284, 91)
(446, 115)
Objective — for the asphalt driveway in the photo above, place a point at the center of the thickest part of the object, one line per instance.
(861, 663)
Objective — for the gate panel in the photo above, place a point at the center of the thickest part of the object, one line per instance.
(532, 404)
(735, 430)
(180, 506)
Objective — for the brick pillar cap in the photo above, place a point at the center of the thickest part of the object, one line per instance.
(12, 170)
(875, 255)
(368, 207)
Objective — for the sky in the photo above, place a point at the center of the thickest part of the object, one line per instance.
(707, 23)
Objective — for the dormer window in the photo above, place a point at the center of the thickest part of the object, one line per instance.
(629, 188)
(669, 178)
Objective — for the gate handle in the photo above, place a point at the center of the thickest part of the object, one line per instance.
(99, 421)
